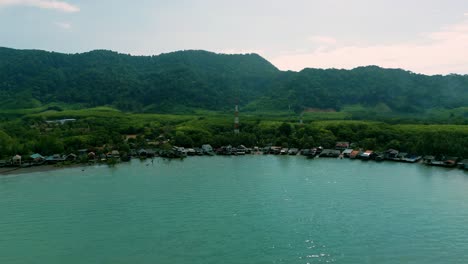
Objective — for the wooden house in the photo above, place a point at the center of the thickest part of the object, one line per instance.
(354, 154)
(275, 150)
(367, 155)
(341, 145)
(330, 153)
(412, 158)
(428, 159)
(71, 157)
(91, 156)
(56, 158)
(293, 151)
(191, 152)
(103, 157)
(207, 149)
(401, 156)
(16, 160)
(391, 154)
(37, 158)
(450, 161)
(347, 152)
(115, 154)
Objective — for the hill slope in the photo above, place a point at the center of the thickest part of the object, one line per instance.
(199, 79)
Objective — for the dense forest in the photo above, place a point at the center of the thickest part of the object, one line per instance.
(186, 99)
(105, 129)
(185, 80)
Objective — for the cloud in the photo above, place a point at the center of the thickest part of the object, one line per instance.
(63, 25)
(43, 4)
(439, 52)
(466, 14)
(323, 40)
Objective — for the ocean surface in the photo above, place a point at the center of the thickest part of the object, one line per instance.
(251, 209)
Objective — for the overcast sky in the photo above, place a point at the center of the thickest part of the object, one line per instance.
(424, 36)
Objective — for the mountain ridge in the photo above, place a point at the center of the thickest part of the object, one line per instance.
(179, 80)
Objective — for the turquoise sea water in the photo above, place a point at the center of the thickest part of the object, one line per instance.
(252, 209)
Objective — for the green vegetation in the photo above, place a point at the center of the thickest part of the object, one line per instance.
(190, 81)
(186, 98)
(105, 129)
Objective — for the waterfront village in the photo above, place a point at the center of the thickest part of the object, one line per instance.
(341, 150)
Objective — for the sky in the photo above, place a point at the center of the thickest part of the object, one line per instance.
(423, 36)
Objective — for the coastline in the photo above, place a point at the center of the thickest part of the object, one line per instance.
(45, 168)
(42, 168)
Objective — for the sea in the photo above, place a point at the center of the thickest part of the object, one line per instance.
(239, 209)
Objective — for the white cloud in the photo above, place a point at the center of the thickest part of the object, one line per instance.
(439, 52)
(466, 14)
(323, 40)
(44, 4)
(63, 25)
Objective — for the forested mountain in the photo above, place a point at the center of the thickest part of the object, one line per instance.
(199, 79)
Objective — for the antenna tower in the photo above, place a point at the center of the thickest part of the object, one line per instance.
(236, 119)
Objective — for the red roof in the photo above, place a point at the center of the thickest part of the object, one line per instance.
(342, 144)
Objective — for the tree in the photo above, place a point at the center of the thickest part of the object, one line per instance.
(5, 144)
(182, 140)
(285, 129)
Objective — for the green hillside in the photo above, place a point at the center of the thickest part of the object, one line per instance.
(186, 80)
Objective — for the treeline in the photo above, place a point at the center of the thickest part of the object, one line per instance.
(31, 135)
(187, 80)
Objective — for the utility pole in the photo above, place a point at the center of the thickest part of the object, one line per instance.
(236, 119)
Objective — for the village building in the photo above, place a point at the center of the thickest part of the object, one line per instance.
(16, 160)
(330, 153)
(347, 152)
(342, 145)
(71, 157)
(354, 154)
(37, 158)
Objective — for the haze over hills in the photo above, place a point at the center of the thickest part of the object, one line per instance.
(196, 79)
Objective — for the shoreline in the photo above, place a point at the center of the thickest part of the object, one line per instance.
(45, 168)
(42, 168)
